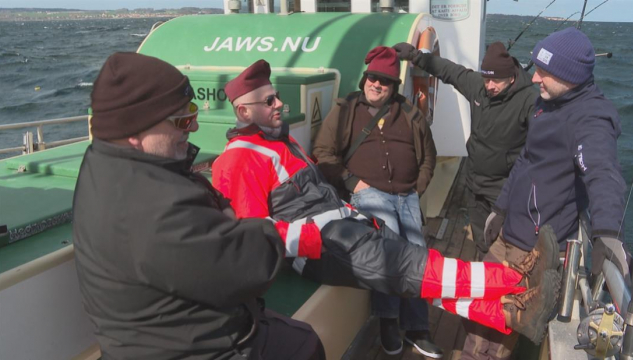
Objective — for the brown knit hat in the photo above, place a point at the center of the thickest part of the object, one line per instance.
(134, 92)
(497, 63)
(253, 77)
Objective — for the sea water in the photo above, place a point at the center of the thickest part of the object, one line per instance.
(47, 69)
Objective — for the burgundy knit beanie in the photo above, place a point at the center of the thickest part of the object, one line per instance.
(566, 54)
(134, 92)
(383, 61)
(253, 77)
(497, 63)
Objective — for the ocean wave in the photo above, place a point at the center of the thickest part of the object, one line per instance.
(626, 110)
(85, 84)
(9, 54)
(139, 35)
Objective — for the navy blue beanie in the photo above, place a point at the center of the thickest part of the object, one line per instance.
(566, 54)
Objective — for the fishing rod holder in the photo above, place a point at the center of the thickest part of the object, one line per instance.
(603, 330)
(570, 278)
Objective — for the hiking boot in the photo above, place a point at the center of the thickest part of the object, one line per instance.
(528, 312)
(390, 336)
(543, 256)
(422, 342)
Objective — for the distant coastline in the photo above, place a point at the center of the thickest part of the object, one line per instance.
(52, 14)
(29, 14)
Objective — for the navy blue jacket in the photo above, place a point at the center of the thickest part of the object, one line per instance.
(569, 162)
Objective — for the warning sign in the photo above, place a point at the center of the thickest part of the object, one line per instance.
(315, 114)
(450, 9)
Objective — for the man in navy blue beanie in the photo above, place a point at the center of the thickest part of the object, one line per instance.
(569, 165)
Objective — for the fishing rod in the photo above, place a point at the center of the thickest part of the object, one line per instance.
(582, 15)
(590, 11)
(510, 43)
(607, 54)
(564, 21)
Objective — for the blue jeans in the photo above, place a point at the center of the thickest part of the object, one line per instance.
(401, 213)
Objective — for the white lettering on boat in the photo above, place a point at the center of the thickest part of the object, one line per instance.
(37, 227)
(264, 44)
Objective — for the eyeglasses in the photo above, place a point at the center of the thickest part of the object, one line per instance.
(270, 100)
(184, 122)
(383, 81)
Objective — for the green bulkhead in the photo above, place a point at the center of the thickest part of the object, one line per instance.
(315, 58)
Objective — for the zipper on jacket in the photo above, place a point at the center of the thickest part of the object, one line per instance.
(536, 223)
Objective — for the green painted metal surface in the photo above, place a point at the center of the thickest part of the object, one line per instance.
(319, 40)
(289, 292)
(45, 191)
(33, 202)
(22, 252)
(209, 88)
(63, 160)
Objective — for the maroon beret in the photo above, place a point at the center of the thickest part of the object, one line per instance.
(383, 61)
(253, 77)
(134, 92)
(497, 63)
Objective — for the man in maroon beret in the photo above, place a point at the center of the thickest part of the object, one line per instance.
(377, 147)
(160, 256)
(265, 173)
(502, 100)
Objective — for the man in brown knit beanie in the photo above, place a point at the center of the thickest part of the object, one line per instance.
(160, 256)
(502, 101)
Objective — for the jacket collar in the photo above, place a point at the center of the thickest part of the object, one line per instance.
(179, 166)
(253, 129)
(572, 94)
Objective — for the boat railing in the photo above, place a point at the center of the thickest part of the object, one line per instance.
(29, 144)
(606, 312)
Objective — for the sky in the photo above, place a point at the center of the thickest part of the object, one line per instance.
(613, 10)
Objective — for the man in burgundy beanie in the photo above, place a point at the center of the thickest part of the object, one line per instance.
(165, 269)
(385, 175)
(265, 173)
(501, 98)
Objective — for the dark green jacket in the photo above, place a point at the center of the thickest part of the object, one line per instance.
(163, 273)
(498, 125)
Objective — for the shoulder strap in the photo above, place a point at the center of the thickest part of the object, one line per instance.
(365, 132)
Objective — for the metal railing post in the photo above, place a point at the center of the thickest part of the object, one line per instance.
(570, 278)
(28, 143)
(41, 145)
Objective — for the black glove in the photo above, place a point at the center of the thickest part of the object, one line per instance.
(406, 51)
(494, 223)
(611, 249)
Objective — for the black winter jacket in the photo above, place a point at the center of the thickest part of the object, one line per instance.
(498, 124)
(164, 274)
(569, 162)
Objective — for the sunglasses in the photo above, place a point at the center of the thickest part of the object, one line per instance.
(269, 101)
(383, 81)
(184, 122)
